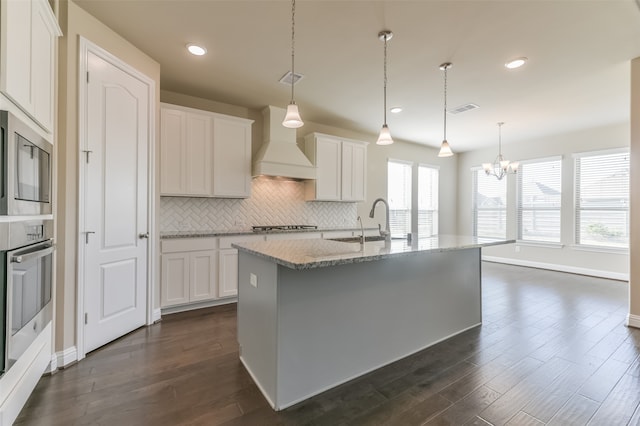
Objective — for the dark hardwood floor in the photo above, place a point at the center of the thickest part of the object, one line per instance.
(552, 350)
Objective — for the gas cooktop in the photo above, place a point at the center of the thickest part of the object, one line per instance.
(264, 228)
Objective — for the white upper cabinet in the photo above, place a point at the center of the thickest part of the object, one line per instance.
(28, 57)
(326, 154)
(203, 154)
(231, 157)
(341, 168)
(185, 153)
(354, 171)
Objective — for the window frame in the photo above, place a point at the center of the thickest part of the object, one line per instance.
(474, 208)
(388, 198)
(576, 202)
(436, 212)
(518, 206)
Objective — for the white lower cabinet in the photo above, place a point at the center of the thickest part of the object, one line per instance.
(202, 275)
(175, 279)
(199, 272)
(228, 261)
(189, 271)
(228, 272)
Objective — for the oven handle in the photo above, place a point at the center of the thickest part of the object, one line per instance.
(33, 255)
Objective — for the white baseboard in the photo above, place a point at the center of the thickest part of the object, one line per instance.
(561, 268)
(157, 315)
(633, 321)
(53, 364)
(198, 305)
(66, 357)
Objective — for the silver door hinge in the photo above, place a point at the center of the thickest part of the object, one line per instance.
(87, 76)
(86, 318)
(86, 236)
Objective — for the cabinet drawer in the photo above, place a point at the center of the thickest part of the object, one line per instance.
(188, 244)
(225, 242)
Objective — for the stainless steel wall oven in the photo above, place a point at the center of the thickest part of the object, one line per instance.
(25, 169)
(26, 267)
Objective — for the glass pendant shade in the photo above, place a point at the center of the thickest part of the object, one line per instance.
(385, 136)
(292, 119)
(445, 149)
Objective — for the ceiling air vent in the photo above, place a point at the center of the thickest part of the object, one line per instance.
(286, 79)
(463, 108)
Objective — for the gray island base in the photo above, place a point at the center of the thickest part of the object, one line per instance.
(313, 314)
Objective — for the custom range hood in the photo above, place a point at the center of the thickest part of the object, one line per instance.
(279, 154)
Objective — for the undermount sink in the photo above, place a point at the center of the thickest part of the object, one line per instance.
(357, 239)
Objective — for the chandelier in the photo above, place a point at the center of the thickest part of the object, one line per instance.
(500, 167)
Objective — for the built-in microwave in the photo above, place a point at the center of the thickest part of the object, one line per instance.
(25, 174)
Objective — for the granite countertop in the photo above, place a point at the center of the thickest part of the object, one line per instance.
(315, 253)
(214, 233)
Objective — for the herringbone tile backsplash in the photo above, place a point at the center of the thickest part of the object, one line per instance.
(272, 202)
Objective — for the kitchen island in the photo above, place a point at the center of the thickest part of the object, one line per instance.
(313, 314)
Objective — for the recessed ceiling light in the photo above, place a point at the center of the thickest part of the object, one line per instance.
(396, 109)
(515, 63)
(194, 49)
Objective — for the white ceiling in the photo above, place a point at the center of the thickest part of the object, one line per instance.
(577, 75)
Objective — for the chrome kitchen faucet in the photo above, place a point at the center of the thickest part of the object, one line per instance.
(387, 232)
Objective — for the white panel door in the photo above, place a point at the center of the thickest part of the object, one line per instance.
(115, 203)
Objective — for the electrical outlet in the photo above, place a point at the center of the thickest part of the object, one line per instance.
(253, 280)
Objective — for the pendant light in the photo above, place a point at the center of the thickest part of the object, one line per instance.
(500, 167)
(385, 135)
(292, 119)
(445, 149)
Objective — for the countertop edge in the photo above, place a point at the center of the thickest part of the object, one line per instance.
(362, 258)
(168, 235)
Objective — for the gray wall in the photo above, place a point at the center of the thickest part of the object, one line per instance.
(567, 257)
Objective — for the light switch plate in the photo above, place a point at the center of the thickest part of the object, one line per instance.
(253, 280)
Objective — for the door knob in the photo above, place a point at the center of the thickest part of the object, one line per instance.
(144, 235)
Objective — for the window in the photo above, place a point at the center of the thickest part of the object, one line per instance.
(427, 200)
(489, 205)
(539, 196)
(399, 196)
(602, 199)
